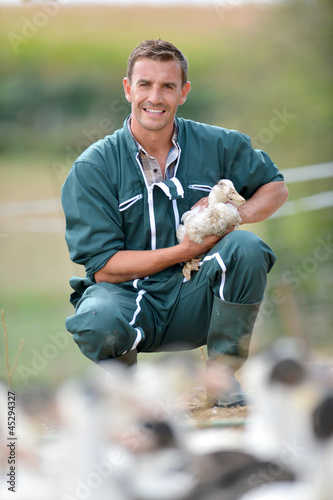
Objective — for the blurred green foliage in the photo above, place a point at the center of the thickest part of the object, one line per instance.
(245, 63)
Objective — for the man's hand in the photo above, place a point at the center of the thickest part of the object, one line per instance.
(193, 249)
(202, 203)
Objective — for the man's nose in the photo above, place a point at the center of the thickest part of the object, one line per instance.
(155, 94)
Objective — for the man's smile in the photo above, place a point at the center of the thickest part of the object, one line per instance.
(154, 111)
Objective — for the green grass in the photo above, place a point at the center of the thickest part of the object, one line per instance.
(49, 354)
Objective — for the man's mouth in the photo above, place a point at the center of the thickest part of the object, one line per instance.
(154, 111)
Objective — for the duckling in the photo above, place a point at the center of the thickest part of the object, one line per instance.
(212, 220)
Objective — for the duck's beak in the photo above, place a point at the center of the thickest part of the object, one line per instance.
(234, 196)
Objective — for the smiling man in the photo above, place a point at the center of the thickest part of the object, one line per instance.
(123, 201)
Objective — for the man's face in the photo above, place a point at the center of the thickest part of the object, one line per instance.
(155, 93)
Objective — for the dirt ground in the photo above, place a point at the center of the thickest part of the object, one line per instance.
(198, 410)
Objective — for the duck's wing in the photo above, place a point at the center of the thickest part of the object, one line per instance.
(180, 232)
(191, 213)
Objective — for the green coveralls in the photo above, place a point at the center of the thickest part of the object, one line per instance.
(109, 207)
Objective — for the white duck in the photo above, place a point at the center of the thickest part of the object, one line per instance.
(212, 220)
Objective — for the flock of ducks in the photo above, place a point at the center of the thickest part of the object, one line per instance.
(127, 436)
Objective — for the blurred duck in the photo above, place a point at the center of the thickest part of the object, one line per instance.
(291, 421)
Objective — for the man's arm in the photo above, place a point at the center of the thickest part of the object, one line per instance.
(265, 201)
(127, 265)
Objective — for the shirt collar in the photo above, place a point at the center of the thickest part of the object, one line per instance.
(173, 138)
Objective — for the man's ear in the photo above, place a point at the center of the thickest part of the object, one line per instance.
(127, 89)
(185, 91)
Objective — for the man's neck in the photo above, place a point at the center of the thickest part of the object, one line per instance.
(153, 141)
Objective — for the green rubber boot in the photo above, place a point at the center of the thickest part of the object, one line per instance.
(228, 343)
(129, 359)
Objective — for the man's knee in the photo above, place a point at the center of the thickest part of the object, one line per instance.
(243, 240)
(95, 326)
(249, 249)
(95, 311)
(245, 261)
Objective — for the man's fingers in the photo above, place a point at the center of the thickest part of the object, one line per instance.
(203, 202)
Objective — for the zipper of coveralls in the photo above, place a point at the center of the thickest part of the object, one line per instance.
(151, 202)
(150, 206)
(174, 202)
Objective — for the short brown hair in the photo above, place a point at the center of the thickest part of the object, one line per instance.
(157, 50)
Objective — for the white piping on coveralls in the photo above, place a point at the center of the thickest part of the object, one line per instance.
(132, 322)
(222, 265)
(200, 187)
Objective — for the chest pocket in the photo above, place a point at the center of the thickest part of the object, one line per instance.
(198, 191)
(125, 205)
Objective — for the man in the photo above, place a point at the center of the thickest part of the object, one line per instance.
(123, 200)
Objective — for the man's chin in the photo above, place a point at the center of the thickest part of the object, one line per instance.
(153, 125)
